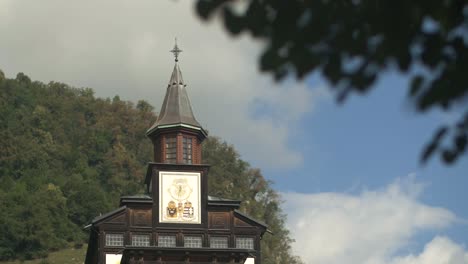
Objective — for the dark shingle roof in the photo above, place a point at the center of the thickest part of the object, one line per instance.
(139, 198)
(218, 201)
(109, 214)
(176, 108)
(250, 218)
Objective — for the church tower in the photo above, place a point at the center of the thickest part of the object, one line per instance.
(176, 221)
(177, 176)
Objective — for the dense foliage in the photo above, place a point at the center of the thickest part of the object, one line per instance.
(66, 157)
(351, 43)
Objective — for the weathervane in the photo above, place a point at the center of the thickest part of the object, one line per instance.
(176, 51)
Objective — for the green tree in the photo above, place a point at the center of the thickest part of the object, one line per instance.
(144, 106)
(352, 43)
(85, 200)
(33, 222)
(65, 157)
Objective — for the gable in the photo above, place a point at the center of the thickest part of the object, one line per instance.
(219, 220)
(114, 217)
(140, 217)
(118, 219)
(240, 223)
(243, 220)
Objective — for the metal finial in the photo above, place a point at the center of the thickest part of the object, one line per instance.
(176, 51)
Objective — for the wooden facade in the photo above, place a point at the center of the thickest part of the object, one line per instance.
(176, 221)
(136, 217)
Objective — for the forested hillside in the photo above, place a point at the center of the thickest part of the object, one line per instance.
(67, 156)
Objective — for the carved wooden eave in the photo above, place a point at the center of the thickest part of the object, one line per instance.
(136, 199)
(160, 255)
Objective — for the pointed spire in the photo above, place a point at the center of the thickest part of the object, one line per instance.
(176, 108)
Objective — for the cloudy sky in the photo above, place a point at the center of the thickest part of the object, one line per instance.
(353, 189)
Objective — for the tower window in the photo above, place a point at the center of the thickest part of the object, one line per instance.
(114, 240)
(218, 242)
(141, 240)
(167, 241)
(171, 149)
(187, 150)
(245, 242)
(193, 241)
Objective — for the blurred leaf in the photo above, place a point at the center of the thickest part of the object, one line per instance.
(449, 156)
(460, 142)
(415, 86)
(232, 22)
(428, 151)
(302, 37)
(269, 60)
(434, 144)
(205, 8)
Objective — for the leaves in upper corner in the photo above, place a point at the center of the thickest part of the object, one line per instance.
(434, 144)
(415, 86)
(460, 142)
(449, 156)
(333, 30)
(233, 23)
(205, 8)
(269, 60)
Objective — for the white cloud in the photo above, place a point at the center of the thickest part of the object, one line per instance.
(441, 250)
(370, 227)
(121, 47)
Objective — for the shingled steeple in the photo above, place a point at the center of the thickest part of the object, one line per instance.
(176, 108)
(176, 123)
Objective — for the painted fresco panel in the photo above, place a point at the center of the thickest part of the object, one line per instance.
(179, 197)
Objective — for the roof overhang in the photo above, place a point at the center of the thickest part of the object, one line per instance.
(136, 199)
(154, 128)
(172, 167)
(251, 220)
(223, 202)
(109, 214)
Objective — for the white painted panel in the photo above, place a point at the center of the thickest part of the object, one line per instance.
(249, 261)
(179, 197)
(113, 258)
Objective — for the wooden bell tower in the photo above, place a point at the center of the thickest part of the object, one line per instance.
(176, 221)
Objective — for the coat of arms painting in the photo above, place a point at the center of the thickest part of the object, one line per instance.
(179, 197)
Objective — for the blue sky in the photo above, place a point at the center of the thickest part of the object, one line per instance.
(349, 174)
(371, 141)
(368, 141)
